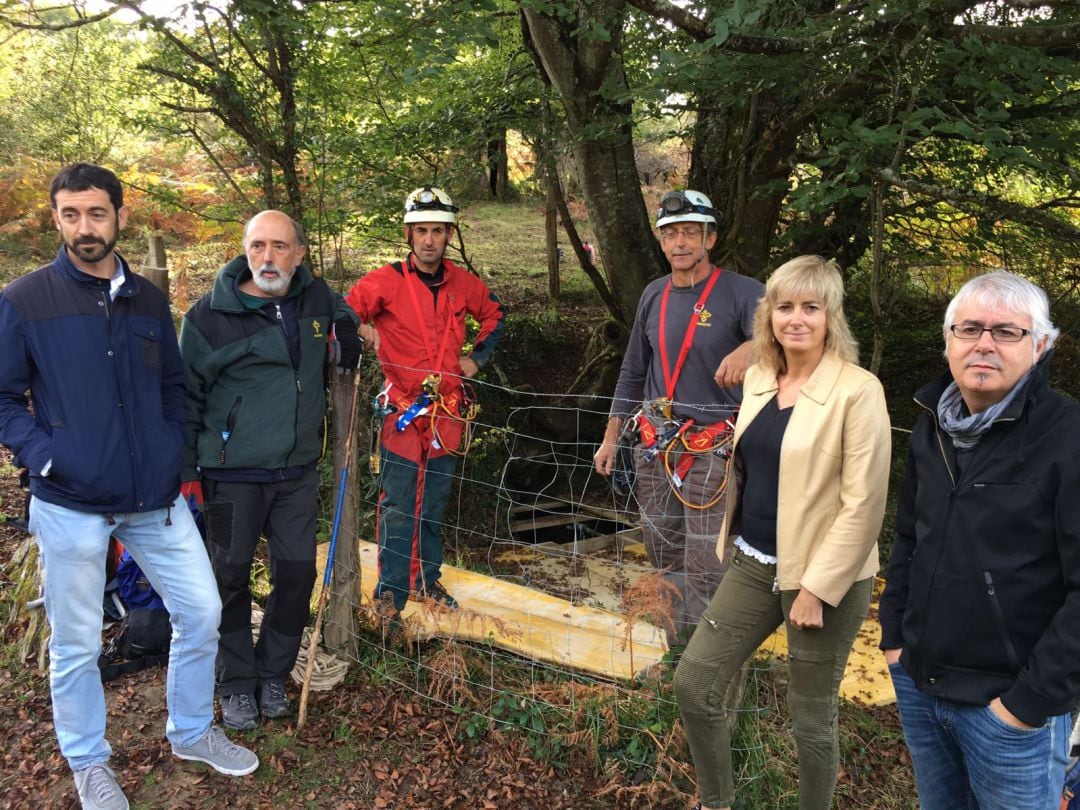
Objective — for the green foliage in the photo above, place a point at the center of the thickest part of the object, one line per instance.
(532, 718)
(70, 95)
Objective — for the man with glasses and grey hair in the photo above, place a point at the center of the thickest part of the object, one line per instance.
(675, 400)
(980, 614)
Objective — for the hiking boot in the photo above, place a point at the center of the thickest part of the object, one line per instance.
(98, 789)
(239, 711)
(216, 750)
(438, 594)
(273, 702)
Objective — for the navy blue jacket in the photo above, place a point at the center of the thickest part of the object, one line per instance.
(107, 385)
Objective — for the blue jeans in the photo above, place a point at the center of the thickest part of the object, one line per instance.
(410, 534)
(967, 757)
(73, 547)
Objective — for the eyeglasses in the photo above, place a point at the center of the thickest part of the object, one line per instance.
(1000, 334)
(671, 233)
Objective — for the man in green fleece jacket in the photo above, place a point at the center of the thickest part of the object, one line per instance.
(255, 350)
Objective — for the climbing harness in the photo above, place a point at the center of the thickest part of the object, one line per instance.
(660, 436)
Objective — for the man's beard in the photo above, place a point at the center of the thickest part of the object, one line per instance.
(272, 285)
(90, 249)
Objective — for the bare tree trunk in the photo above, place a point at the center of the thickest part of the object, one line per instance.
(498, 183)
(551, 227)
(736, 153)
(585, 70)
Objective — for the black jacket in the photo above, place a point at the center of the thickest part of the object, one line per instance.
(983, 589)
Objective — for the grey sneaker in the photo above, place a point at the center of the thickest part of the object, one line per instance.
(216, 750)
(273, 702)
(239, 712)
(98, 789)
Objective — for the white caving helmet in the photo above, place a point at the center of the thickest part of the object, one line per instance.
(685, 206)
(430, 204)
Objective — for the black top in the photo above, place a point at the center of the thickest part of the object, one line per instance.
(759, 455)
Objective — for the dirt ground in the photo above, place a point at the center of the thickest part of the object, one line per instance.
(363, 746)
(372, 743)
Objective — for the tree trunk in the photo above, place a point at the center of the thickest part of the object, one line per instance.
(497, 165)
(736, 153)
(586, 71)
(551, 226)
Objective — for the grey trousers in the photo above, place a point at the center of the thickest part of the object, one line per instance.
(740, 617)
(680, 538)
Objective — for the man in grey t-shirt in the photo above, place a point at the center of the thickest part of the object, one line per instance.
(688, 353)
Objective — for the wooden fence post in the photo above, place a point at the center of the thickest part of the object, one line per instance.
(154, 269)
(341, 629)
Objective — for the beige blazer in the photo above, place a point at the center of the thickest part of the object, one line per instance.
(834, 476)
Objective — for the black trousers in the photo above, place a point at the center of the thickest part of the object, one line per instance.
(237, 515)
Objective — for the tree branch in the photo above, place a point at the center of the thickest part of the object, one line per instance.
(1037, 4)
(221, 168)
(64, 26)
(1031, 36)
(996, 206)
(699, 30)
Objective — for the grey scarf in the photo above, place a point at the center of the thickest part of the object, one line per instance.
(966, 431)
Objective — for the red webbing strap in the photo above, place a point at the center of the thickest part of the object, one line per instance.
(672, 377)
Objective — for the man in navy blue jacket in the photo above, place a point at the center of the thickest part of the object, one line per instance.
(95, 347)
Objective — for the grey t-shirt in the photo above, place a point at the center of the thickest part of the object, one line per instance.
(727, 321)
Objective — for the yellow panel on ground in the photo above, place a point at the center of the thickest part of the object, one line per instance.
(866, 679)
(529, 622)
(589, 637)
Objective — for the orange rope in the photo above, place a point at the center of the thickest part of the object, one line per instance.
(724, 441)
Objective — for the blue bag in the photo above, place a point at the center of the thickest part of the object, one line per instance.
(134, 588)
(1070, 797)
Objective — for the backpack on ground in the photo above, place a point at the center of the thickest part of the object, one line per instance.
(142, 638)
(1070, 797)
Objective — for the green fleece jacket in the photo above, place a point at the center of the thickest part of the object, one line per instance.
(247, 406)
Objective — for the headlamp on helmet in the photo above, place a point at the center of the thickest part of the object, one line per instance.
(685, 206)
(430, 204)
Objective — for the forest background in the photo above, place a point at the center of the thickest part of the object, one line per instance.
(917, 142)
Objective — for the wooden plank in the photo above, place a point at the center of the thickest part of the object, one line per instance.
(540, 506)
(528, 622)
(544, 522)
(607, 514)
(592, 545)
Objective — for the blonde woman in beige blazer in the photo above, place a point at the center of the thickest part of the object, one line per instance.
(806, 499)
